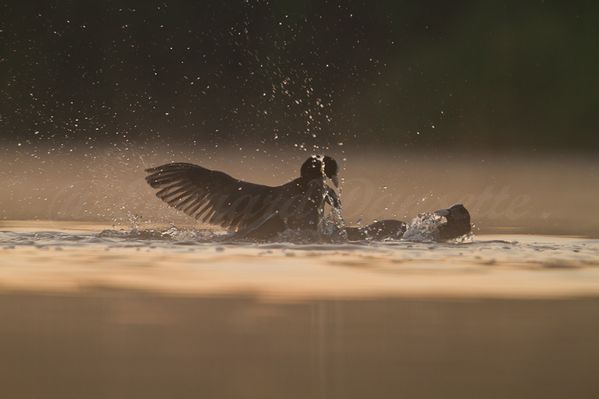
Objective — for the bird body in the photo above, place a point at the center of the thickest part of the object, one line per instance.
(216, 198)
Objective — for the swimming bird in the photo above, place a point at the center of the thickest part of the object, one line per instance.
(456, 224)
(253, 210)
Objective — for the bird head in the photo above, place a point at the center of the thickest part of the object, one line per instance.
(320, 166)
(458, 222)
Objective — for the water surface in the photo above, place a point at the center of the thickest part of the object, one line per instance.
(95, 311)
(63, 255)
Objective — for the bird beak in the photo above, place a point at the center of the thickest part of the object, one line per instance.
(335, 181)
(442, 212)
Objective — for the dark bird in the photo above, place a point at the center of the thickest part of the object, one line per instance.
(253, 210)
(456, 224)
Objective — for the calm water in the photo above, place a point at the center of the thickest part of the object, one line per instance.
(93, 311)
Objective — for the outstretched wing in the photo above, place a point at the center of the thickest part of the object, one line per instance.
(211, 196)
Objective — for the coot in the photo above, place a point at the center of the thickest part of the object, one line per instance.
(253, 210)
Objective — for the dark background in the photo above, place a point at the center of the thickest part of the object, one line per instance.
(417, 74)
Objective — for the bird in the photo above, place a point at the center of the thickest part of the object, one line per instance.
(249, 209)
(456, 224)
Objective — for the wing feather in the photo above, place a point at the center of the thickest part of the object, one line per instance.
(211, 196)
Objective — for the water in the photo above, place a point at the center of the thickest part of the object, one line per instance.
(164, 311)
(486, 266)
(423, 227)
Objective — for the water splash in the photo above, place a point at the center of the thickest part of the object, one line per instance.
(332, 225)
(424, 227)
(465, 239)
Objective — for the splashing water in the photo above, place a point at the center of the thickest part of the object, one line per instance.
(424, 227)
(332, 225)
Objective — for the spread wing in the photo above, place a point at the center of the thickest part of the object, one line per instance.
(211, 196)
